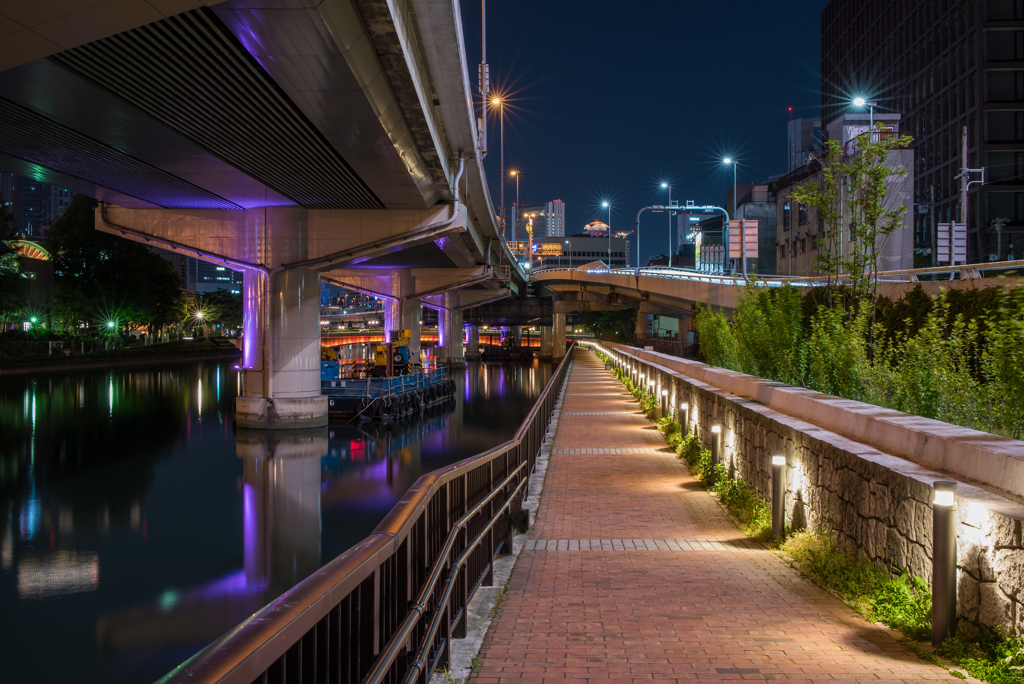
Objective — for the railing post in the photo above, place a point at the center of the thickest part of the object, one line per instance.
(489, 545)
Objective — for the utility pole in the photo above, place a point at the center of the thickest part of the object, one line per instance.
(484, 77)
(933, 236)
(964, 182)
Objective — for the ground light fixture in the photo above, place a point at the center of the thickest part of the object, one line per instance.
(943, 561)
(664, 402)
(716, 449)
(778, 494)
(685, 408)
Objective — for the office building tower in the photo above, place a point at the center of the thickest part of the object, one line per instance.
(945, 66)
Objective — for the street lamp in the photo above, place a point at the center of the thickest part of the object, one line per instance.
(743, 231)
(518, 206)
(497, 102)
(609, 208)
(669, 186)
(861, 102)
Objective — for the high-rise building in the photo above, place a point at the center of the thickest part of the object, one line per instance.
(804, 141)
(55, 201)
(945, 66)
(206, 277)
(25, 198)
(548, 220)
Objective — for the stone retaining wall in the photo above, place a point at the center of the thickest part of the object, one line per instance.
(877, 504)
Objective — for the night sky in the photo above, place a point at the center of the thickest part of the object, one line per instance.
(609, 99)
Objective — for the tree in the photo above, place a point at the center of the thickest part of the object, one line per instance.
(13, 287)
(101, 278)
(621, 323)
(854, 191)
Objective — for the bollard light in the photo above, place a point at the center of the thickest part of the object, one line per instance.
(716, 447)
(778, 495)
(943, 562)
(664, 402)
(684, 408)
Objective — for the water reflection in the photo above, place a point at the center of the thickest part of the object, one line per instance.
(137, 526)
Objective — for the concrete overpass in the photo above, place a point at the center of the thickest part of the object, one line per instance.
(675, 292)
(312, 139)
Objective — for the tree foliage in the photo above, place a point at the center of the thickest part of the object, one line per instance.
(101, 277)
(855, 193)
(13, 287)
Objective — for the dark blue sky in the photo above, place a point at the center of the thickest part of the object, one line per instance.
(607, 99)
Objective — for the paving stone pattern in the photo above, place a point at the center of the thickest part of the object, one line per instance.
(679, 595)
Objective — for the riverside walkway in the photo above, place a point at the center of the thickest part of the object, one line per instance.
(633, 573)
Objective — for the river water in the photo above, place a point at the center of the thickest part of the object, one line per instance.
(136, 526)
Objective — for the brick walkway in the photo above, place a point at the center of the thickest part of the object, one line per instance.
(632, 573)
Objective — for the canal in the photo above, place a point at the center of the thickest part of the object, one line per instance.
(137, 525)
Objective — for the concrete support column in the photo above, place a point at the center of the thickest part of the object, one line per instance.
(516, 333)
(282, 389)
(441, 350)
(545, 341)
(644, 324)
(412, 311)
(558, 341)
(456, 356)
(473, 347)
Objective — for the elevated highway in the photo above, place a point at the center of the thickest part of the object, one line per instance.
(676, 292)
(299, 141)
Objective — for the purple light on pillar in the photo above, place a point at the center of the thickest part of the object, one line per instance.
(251, 319)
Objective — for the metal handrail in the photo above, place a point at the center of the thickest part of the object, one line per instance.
(251, 649)
(416, 666)
(387, 656)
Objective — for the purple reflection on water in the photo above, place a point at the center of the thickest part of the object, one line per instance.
(251, 544)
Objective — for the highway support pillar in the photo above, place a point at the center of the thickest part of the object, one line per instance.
(545, 341)
(281, 352)
(473, 347)
(558, 341)
(453, 331)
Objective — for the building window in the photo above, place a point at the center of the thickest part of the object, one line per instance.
(1004, 85)
(785, 215)
(1004, 126)
(803, 214)
(1003, 10)
(1004, 45)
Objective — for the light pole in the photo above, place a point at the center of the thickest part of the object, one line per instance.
(743, 227)
(669, 186)
(501, 114)
(518, 206)
(609, 208)
(861, 102)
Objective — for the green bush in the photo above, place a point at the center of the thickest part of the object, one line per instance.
(752, 510)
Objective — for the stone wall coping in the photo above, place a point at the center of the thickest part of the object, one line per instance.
(787, 412)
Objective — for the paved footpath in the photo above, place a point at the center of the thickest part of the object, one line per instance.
(633, 573)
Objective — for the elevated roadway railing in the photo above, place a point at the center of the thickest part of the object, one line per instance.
(387, 609)
(958, 272)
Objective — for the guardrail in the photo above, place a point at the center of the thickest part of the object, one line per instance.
(387, 609)
(958, 272)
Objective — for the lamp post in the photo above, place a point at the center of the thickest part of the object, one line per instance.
(778, 494)
(609, 208)
(743, 227)
(500, 104)
(518, 206)
(861, 102)
(669, 186)
(716, 449)
(943, 562)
